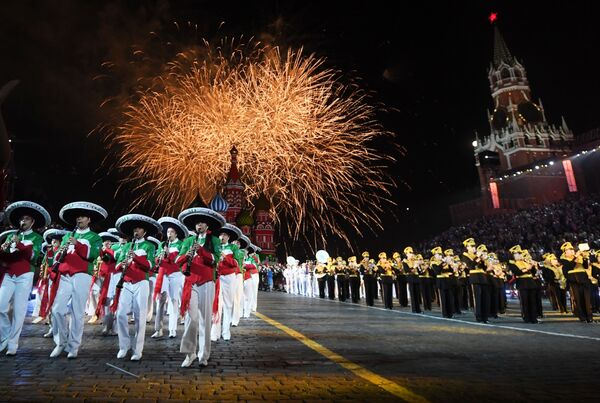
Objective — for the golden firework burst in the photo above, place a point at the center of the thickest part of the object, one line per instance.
(303, 136)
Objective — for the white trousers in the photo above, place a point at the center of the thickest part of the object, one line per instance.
(170, 296)
(134, 299)
(71, 298)
(93, 298)
(17, 290)
(248, 296)
(198, 321)
(255, 281)
(150, 303)
(227, 289)
(38, 302)
(238, 299)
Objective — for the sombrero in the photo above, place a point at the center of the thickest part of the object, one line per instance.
(231, 230)
(170, 222)
(54, 233)
(190, 217)
(244, 242)
(154, 241)
(128, 222)
(109, 236)
(71, 211)
(16, 210)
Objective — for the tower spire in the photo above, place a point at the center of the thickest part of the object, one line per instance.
(501, 52)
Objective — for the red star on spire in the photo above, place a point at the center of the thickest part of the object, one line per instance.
(493, 17)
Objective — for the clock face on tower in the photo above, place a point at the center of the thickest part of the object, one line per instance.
(500, 118)
(530, 112)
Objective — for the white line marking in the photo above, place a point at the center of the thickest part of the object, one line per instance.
(462, 321)
(122, 370)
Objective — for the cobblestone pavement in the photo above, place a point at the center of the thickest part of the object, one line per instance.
(439, 360)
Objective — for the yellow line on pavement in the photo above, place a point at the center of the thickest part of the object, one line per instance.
(362, 372)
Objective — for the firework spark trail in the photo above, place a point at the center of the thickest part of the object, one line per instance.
(302, 138)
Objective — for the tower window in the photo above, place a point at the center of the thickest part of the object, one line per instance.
(504, 73)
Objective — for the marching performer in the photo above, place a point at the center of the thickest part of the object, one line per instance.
(249, 270)
(152, 274)
(198, 257)
(574, 267)
(330, 278)
(555, 281)
(474, 258)
(386, 274)
(17, 254)
(255, 276)
(354, 279)
(425, 282)
(401, 280)
(52, 238)
(105, 274)
(411, 267)
(444, 278)
(135, 261)
(367, 272)
(238, 297)
(75, 263)
(169, 282)
(226, 269)
(523, 272)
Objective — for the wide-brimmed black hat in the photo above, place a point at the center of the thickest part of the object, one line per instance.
(128, 222)
(54, 233)
(170, 222)
(71, 211)
(108, 236)
(234, 232)
(16, 210)
(190, 217)
(244, 242)
(154, 241)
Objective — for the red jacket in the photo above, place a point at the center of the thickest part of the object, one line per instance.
(201, 270)
(228, 265)
(110, 266)
(75, 262)
(18, 262)
(137, 269)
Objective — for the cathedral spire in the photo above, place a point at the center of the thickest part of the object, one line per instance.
(501, 52)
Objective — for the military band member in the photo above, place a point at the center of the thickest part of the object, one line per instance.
(524, 272)
(198, 257)
(386, 274)
(367, 272)
(444, 276)
(340, 275)
(537, 278)
(474, 258)
(321, 276)
(331, 278)
(496, 279)
(17, 254)
(594, 275)
(556, 282)
(574, 267)
(425, 281)
(401, 280)
(354, 279)
(411, 268)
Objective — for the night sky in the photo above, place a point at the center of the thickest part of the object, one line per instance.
(426, 61)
